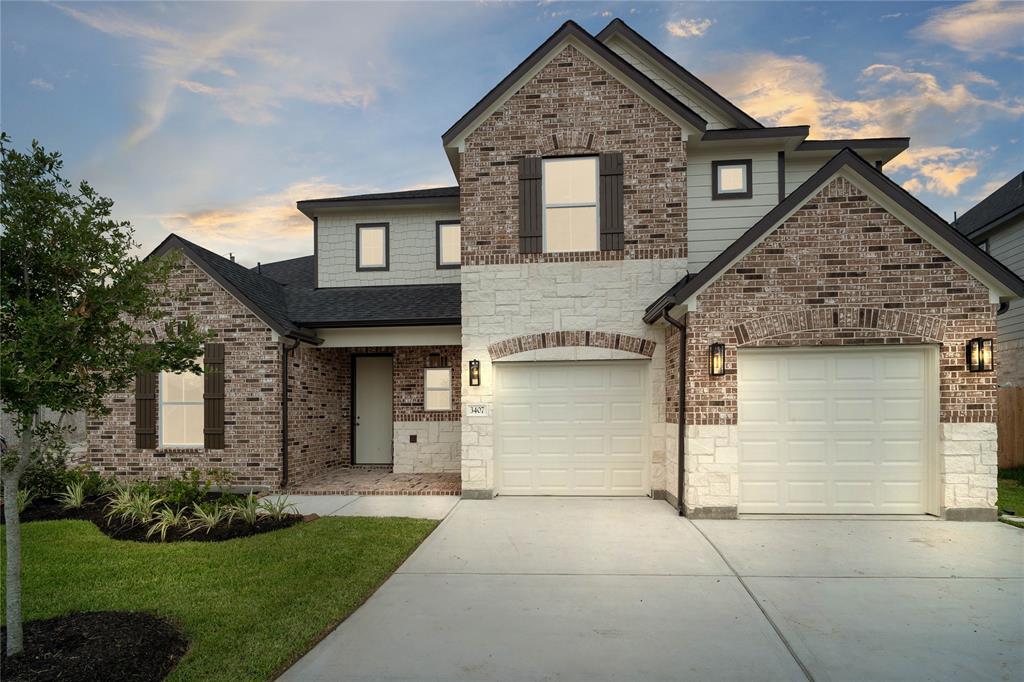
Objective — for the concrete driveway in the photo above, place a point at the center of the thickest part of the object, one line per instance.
(623, 589)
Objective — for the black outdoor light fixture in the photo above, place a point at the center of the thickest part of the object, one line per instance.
(716, 359)
(979, 355)
(474, 372)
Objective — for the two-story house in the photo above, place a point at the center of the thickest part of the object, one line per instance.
(635, 289)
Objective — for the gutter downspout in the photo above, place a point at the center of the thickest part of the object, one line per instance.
(285, 351)
(681, 446)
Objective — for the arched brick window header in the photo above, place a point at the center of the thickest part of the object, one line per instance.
(593, 339)
(898, 321)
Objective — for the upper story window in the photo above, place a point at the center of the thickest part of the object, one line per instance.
(181, 409)
(372, 246)
(570, 204)
(449, 244)
(437, 389)
(732, 179)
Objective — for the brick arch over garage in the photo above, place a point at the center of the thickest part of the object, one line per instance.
(903, 323)
(562, 339)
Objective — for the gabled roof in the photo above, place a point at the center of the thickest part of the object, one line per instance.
(430, 195)
(571, 29)
(291, 272)
(294, 310)
(618, 27)
(846, 159)
(1005, 204)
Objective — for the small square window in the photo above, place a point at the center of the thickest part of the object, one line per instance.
(732, 179)
(449, 244)
(437, 389)
(372, 246)
(570, 204)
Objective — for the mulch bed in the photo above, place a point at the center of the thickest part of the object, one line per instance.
(101, 645)
(94, 510)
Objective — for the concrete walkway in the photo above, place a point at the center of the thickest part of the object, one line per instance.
(413, 506)
(623, 589)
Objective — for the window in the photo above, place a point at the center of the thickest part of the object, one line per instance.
(437, 389)
(372, 246)
(181, 409)
(731, 179)
(570, 204)
(449, 244)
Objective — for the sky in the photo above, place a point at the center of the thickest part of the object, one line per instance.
(212, 119)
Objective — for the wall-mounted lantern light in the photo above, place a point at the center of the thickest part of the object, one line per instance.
(474, 372)
(716, 359)
(979, 355)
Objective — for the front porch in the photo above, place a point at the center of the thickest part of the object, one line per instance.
(378, 480)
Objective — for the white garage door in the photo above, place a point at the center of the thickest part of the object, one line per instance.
(835, 431)
(571, 428)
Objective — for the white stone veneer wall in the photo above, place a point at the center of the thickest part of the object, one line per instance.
(503, 301)
(969, 465)
(436, 450)
(712, 466)
(413, 255)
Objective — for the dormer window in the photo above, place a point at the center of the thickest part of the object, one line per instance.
(732, 179)
(372, 246)
(570, 204)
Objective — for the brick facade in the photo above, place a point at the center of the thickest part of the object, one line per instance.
(571, 107)
(566, 339)
(252, 402)
(319, 426)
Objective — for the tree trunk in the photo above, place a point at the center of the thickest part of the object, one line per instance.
(15, 638)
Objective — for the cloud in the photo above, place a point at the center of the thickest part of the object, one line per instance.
(892, 101)
(249, 67)
(979, 28)
(894, 15)
(41, 84)
(689, 28)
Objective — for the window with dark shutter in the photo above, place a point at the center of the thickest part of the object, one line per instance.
(530, 225)
(612, 237)
(213, 396)
(145, 410)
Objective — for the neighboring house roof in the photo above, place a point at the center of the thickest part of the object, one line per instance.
(567, 30)
(429, 195)
(295, 310)
(1005, 204)
(618, 27)
(754, 133)
(292, 272)
(847, 158)
(377, 306)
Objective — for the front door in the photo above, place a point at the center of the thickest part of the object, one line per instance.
(373, 434)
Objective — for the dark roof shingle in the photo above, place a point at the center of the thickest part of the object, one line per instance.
(292, 272)
(994, 209)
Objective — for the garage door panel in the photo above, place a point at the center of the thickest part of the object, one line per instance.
(833, 431)
(586, 430)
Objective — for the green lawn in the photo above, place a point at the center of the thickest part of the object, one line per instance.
(248, 606)
(1011, 491)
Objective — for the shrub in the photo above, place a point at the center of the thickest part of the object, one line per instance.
(166, 519)
(25, 498)
(279, 508)
(207, 516)
(246, 509)
(133, 505)
(183, 492)
(48, 474)
(220, 478)
(74, 496)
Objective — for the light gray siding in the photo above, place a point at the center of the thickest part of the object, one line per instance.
(713, 224)
(715, 118)
(412, 248)
(1007, 246)
(799, 167)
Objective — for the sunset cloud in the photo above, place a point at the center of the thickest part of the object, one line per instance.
(689, 28)
(983, 27)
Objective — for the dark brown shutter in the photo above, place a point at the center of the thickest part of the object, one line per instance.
(530, 234)
(145, 410)
(612, 238)
(213, 396)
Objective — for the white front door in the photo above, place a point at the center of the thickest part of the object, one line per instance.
(374, 428)
(572, 428)
(837, 431)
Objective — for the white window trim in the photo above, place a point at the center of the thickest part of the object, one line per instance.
(544, 206)
(163, 444)
(427, 390)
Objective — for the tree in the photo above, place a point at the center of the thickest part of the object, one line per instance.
(80, 315)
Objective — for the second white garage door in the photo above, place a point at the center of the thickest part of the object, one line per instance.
(839, 431)
(572, 428)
